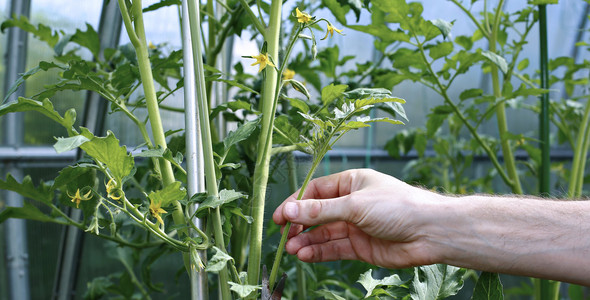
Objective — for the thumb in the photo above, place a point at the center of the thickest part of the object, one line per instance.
(310, 212)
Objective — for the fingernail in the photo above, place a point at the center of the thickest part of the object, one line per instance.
(291, 210)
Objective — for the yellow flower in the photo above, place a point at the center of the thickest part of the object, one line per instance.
(263, 60)
(112, 191)
(151, 45)
(330, 31)
(288, 74)
(301, 16)
(77, 197)
(156, 210)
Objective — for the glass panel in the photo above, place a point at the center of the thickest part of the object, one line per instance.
(40, 130)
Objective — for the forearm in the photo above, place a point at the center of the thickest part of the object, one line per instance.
(539, 238)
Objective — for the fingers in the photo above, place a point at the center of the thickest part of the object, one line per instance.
(314, 212)
(325, 243)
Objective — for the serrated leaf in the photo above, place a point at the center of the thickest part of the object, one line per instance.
(240, 134)
(71, 174)
(369, 283)
(69, 143)
(488, 287)
(107, 151)
(167, 195)
(27, 189)
(243, 290)
(28, 212)
(42, 31)
(497, 60)
(88, 39)
(218, 261)
(45, 107)
(436, 282)
(443, 26)
(332, 92)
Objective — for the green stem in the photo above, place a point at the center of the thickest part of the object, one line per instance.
(472, 17)
(509, 160)
(443, 92)
(261, 28)
(578, 153)
(275, 267)
(261, 171)
(207, 145)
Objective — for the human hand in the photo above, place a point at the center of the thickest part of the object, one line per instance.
(362, 215)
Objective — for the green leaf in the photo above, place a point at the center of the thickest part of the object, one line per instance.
(42, 31)
(218, 261)
(69, 143)
(45, 107)
(27, 189)
(240, 134)
(20, 81)
(225, 196)
(162, 3)
(436, 282)
(470, 93)
(339, 11)
(243, 290)
(441, 50)
(497, 60)
(369, 283)
(73, 174)
(523, 64)
(328, 295)
(488, 287)
(443, 26)
(88, 39)
(332, 92)
(284, 132)
(299, 104)
(362, 93)
(28, 211)
(167, 195)
(107, 151)
(242, 87)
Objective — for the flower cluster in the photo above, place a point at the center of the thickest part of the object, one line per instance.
(306, 20)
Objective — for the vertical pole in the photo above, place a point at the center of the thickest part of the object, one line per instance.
(194, 154)
(544, 174)
(544, 289)
(72, 239)
(17, 261)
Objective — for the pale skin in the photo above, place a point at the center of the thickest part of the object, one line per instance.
(369, 216)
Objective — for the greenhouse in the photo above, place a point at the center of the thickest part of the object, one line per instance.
(269, 149)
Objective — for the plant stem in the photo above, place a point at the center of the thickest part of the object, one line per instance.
(578, 153)
(261, 171)
(137, 37)
(275, 267)
(207, 145)
(509, 160)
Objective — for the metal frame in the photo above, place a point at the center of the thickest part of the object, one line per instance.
(17, 260)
